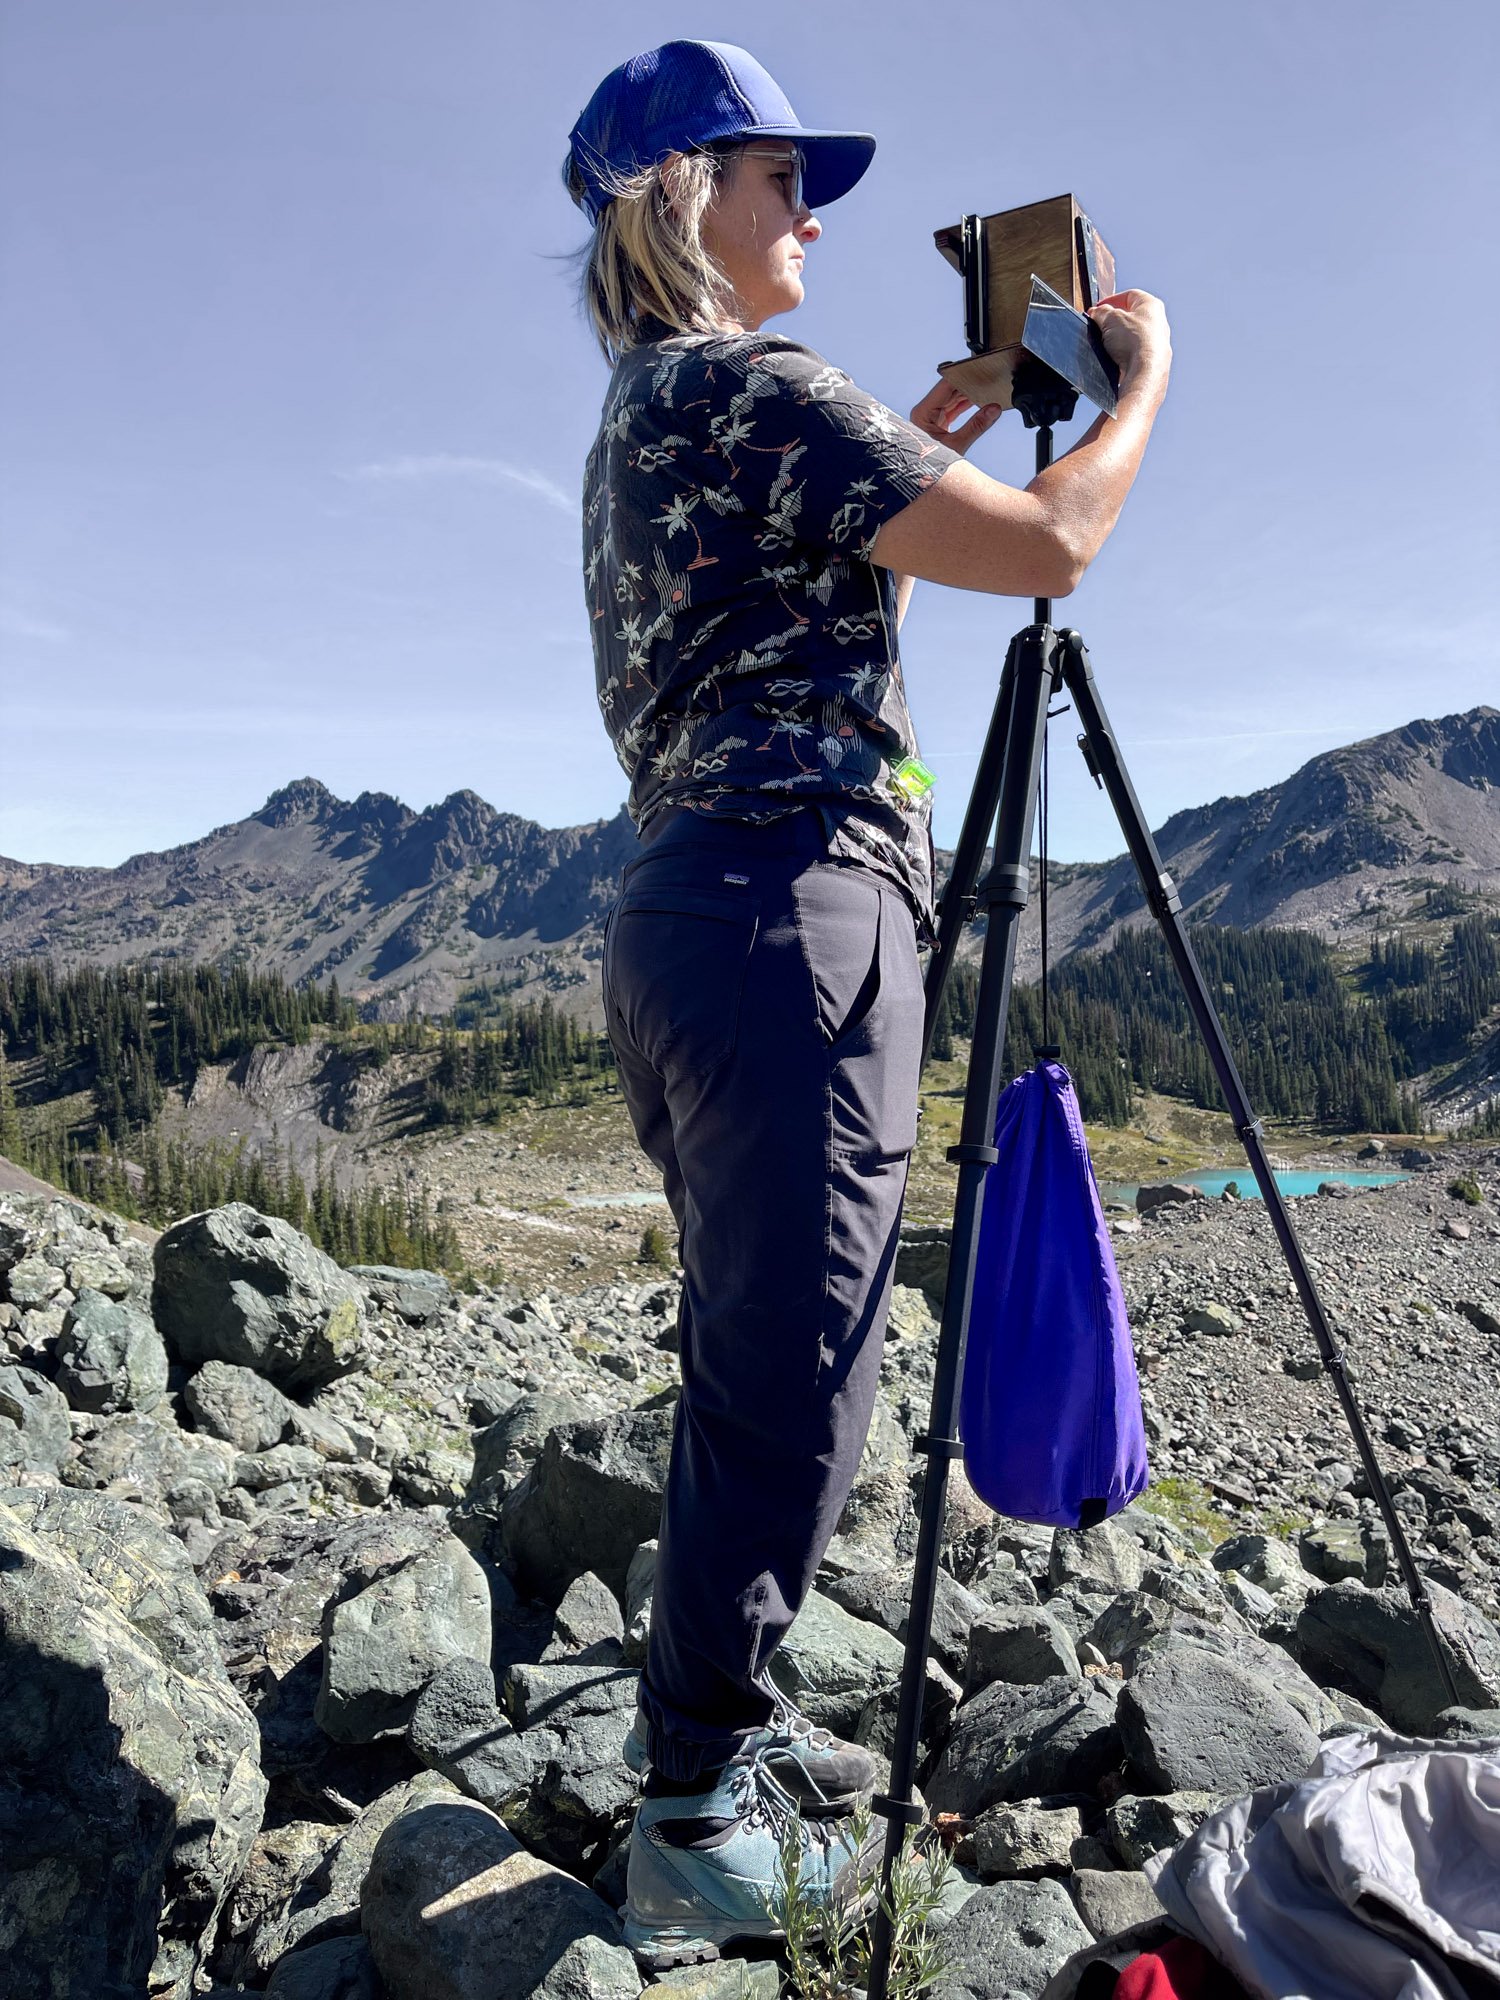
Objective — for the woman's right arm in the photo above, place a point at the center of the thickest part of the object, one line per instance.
(976, 533)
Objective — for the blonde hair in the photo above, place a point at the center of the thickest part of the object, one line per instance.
(646, 256)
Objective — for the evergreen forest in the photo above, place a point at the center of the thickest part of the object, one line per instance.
(88, 1059)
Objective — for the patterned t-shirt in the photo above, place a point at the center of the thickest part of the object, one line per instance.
(744, 644)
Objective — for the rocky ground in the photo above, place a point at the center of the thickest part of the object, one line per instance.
(323, 1592)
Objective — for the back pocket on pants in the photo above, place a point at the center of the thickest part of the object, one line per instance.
(675, 962)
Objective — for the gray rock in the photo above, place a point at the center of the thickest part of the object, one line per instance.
(339, 1969)
(1025, 1839)
(142, 1566)
(282, 1465)
(32, 1281)
(239, 1406)
(131, 1791)
(884, 1598)
(1111, 1900)
(304, 1891)
(1105, 1558)
(1371, 1642)
(1009, 1939)
(145, 1450)
(725, 1979)
(514, 1441)
(589, 1501)
(1192, 1721)
(552, 1767)
(1026, 1742)
(1468, 1725)
(435, 1477)
(831, 1663)
(454, 1908)
(109, 1357)
(1341, 1549)
(415, 1296)
(1143, 1827)
(640, 1582)
(281, 1859)
(588, 1617)
(235, 1285)
(269, 1582)
(1166, 1194)
(1481, 1313)
(1023, 1644)
(1215, 1320)
(98, 1271)
(383, 1643)
(1265, 1561)
(34, 1427)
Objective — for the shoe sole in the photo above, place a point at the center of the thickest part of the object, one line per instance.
(660, 1947)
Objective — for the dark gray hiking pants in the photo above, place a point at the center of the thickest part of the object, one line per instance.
(765, 1006)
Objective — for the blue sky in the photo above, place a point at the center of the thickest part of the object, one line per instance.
(294, 398)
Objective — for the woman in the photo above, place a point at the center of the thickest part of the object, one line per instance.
(752, 526)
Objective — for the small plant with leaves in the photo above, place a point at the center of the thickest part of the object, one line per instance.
(828, 1951)
(655, 1249)
(1464, 1187)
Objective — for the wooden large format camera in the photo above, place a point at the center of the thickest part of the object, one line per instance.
(998, 256)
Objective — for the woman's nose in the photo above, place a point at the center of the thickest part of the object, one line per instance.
(807, 227)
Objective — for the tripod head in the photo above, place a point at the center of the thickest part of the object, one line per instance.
(1040, 394)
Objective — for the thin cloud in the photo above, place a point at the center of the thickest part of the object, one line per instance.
(17, 624)
(432, 466)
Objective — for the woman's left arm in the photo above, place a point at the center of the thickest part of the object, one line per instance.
(938, 409)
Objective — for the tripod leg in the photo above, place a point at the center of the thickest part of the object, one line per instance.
(956, 904)
(1103, 758)
(1013, 756)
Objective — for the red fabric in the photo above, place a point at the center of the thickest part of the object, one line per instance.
(1181, 1970)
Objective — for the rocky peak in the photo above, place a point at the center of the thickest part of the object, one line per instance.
(302, 799)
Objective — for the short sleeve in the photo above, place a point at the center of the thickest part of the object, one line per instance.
(811, 454)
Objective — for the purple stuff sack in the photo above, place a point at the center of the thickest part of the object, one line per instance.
(1051, 1405)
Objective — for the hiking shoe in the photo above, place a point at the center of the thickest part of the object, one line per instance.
(706, 1866)
(823, 1774)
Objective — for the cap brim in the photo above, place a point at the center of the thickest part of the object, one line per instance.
(832, 161)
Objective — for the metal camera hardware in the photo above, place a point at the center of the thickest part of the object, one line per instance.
(1030, 275)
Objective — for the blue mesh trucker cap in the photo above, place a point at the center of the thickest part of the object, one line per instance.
(690, 94)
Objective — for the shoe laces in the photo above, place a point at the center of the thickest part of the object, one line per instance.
(761, 1801)
(788, 1721)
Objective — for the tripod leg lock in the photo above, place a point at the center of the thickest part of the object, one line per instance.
(1007, 885)
(963, 1156)
(897, 1809)
(1254, 1130)
(936, 1447)
(1163, 898)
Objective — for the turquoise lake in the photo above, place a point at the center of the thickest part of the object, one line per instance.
(1214, 1183)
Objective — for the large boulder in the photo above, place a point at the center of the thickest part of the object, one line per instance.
(884, 1598)
(269, 1581)
(129, 1790)
(34, 1428)
(143, 1451)
(831, 1663)
(550, 1765)
(588, 1502)
(235, 1285)
(1022, 1643)
(340, 1968)
(1372, 1642)
(383, 1643)
(1009, 1939)
(1027, 1742)
(109, 1357)
(301, 1886)
(1193, 1721)
(239, 1406)
(454, 1908)
(141, 1565)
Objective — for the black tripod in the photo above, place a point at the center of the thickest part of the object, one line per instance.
(1040, 660)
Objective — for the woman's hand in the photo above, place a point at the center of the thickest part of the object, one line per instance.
(1137, 338)
(943, 406)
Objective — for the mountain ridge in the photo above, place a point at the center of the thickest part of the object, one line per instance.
(406, 906)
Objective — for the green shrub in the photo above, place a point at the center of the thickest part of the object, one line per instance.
(1463, 1187)
(655, 1249)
